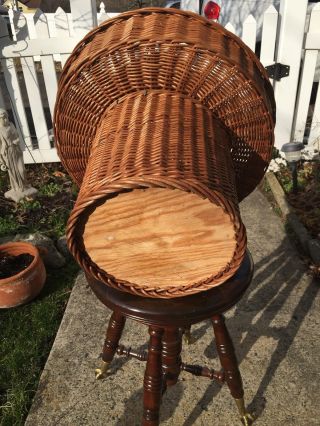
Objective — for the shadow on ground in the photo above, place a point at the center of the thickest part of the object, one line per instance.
(267, 296)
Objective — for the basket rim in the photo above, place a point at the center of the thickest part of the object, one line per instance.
(66, 78)
(80, 213)
(149, 10)
(260, 86)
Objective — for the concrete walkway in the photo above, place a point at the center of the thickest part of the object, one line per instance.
(275, 330)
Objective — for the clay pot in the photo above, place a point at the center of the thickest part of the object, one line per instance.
(27, 284)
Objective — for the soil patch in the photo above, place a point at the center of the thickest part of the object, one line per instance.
(48, 211)
(12, 265)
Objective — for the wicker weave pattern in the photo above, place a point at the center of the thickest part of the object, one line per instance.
(120, 59)
(160, 134)
(163, 98)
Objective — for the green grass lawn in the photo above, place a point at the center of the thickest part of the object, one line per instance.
(27, 332)
(26, 336)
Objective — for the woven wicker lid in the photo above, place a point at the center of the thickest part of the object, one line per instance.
(172, 50)
(165, 121)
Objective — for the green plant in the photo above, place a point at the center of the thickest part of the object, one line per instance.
(50, 189)
(8, 225)
(287, 186)
(277, 210)
(57, 222)
(27, 205)
(266, 186)
(275, 153)
(74, 190)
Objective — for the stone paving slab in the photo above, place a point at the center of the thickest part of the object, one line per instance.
(274, 328)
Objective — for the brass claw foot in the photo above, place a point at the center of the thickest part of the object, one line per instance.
(246, 418)
(102, 371)
(187, 337)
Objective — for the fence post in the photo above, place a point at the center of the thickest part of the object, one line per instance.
(269, 35)
(307, 76)
(314, 137)
(192, 5)
(84, 16)
(249, 32)
(289, 52)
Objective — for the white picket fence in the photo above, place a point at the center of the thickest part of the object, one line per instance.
(43, 42)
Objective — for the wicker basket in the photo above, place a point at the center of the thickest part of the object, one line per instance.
(165, 121)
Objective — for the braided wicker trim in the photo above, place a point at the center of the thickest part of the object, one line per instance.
(78, 217)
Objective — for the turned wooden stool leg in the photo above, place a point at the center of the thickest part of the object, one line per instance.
(171, 359)
(113, 335)
(230, 365)
(153, 379)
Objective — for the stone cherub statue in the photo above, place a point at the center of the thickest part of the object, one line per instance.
(11, 158)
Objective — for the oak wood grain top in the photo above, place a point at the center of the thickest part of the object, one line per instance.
(160, 237)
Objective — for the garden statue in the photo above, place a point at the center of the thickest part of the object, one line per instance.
(11, 159)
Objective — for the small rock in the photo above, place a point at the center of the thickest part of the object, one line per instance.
(314, 251)
(63, 247)
(50, 255)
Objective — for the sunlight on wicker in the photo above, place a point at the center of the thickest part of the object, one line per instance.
(165, 121)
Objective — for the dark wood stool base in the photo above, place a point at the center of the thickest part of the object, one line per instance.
(168, 321)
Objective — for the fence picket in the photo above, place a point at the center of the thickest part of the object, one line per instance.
(52, 32)
(13, 88)
(268, 38)
(102, 15)
(13, 18)
(47, 63)
(305, 87)
(230, 28)
(84, 16)
(33, 91)
(249, 32)
(102, 8)
(289, 53)
(62, 29)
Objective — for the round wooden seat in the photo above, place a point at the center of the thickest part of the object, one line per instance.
(160, 238)
(177, 311)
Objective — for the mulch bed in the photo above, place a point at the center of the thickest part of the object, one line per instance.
(49, 211)
(306, 203)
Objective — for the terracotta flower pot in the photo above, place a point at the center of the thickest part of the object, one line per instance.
(27, 284)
